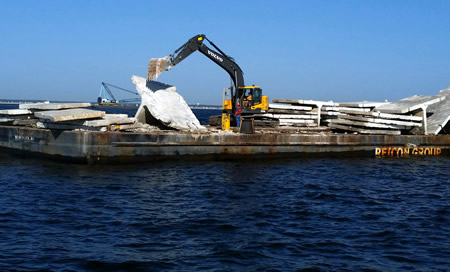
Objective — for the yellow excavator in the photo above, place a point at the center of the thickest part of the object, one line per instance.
(248, 98)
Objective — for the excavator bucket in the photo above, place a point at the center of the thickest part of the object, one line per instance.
(157, 66)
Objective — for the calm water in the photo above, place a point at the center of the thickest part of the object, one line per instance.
(279, 215)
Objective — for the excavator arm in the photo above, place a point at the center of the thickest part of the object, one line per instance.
(196, 43)
(220, 58)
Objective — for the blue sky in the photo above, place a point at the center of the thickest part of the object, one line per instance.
(322, 50)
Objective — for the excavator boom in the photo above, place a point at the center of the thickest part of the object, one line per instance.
(158, 65)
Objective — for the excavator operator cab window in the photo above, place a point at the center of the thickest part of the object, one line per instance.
(251, 96)
(256, 98)
(247, 98)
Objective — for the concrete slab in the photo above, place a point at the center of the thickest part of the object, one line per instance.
(17, 117)
(329, 113)
(287, 111)
(380, 120)
(326, 121)
(289, 107)
(115, 115)
(53, 106)
(367, 124)
(296, 121)
(70, 114)
(364, 104)
(6, 120)
(15, 112)
(289, 116)
(107, 120)
(365, 131)
(383, 115)
(326, 108)
(299, 125)
(63, 126)
(409, 104)
(305, 102)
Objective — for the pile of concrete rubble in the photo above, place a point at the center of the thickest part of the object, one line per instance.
(161, 109)
(420, 115)
(66, 116)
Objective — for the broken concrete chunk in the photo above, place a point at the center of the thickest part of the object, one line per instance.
(71, 114)
(167, 106)
(54, 106)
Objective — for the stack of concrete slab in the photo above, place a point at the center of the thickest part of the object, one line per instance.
(406, 116)
(15, 116)
(310, 113)
(64, 116)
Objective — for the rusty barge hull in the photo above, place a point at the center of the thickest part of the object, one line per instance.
(93, 146)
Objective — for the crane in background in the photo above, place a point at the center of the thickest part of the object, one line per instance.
(106, 97)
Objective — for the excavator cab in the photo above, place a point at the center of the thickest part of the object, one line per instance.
(252, 99)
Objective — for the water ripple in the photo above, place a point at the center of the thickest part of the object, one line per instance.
(292, 214)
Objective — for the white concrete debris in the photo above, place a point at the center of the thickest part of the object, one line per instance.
(366, 117)
(53, 106)
(167, 106)
(70, 114)
(323, 112)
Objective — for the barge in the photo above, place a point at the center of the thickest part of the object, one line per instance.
(414, 126)
(110, 146)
